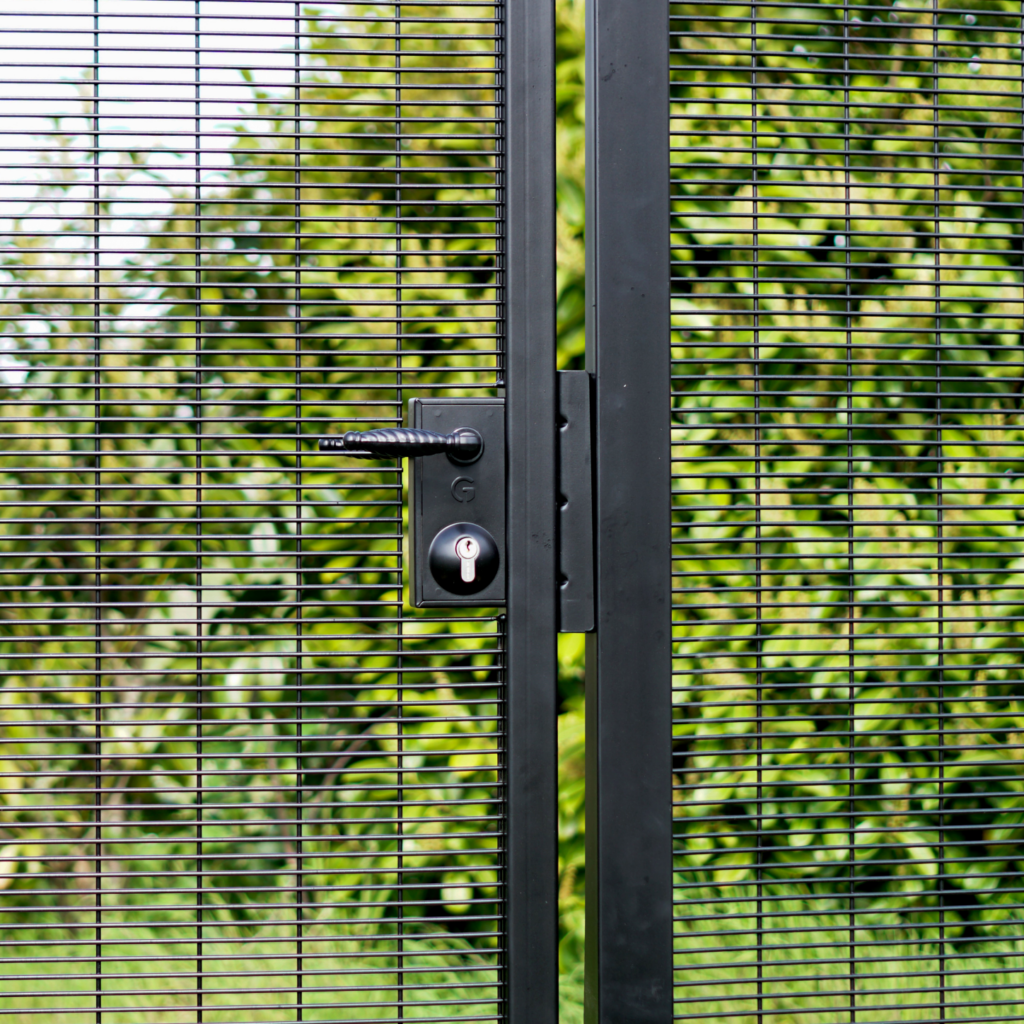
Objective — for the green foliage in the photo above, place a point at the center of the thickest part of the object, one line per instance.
(778, 695)
(134, 399)
(847, 506)
(571, 212)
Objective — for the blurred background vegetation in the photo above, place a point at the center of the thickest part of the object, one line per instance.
(849, 439)
(152, 622)
(849, 666)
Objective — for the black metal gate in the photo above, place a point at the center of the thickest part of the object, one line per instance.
(842, 205)
(239, 781)
(242, 781)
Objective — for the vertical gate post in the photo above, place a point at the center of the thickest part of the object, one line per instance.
(629, 657)
(531, 414)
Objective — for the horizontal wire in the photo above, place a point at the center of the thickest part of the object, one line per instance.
(322, 17)
(920, 74)
(936, 187)
(810, 800)
(923, 46)
(397, 869)
(209, 34)
(213, 992)
(338, 720)
(789, 134)
(925, 341)
(813, 979)
(341, 938)
(114, 773)
(89, 143)
(801, 1011)
(976, 1006)
(246, 1007)
(378, 638)
(286, 904)
(460, 66)
(787, 912)
(225, 958)
(182, 829)
(762, 7)
(222, 990)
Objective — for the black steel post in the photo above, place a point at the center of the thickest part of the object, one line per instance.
(629, 657)
(531, 409)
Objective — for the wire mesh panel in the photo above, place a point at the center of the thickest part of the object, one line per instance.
(848, 442)
(238, 783)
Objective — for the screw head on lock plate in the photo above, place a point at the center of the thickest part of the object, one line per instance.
(463, 559)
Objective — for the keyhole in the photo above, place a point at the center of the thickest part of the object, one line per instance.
(467, 549)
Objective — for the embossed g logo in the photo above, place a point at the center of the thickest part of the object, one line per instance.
(463, 489)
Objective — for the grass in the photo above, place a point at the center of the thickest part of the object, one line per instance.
(805, 974)
(804, 977)
(151, 978)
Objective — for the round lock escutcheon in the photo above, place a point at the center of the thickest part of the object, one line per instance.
(463, 559)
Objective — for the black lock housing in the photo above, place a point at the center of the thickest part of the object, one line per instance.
(448, 490)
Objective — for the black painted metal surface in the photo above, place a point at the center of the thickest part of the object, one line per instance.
(846, 462)
(443, 492)
(463, 445)
(629, 866)
(575, 504)
(241, 781)
(531, 536)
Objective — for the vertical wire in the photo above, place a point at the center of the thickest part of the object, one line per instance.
(939, 469)
(97, 523)
(500, 344)
(198, 420)
(300, 877)
(500, 337)
(400, 625)
(758, 469)
(1020, 227)
(850, 522)
(501, 780)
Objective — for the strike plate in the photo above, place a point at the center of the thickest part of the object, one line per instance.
(444, 493)
(575, 504)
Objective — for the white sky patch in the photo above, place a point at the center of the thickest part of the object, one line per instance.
(139, 99)
(145, 74)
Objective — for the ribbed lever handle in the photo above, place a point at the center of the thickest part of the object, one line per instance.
(463, 444)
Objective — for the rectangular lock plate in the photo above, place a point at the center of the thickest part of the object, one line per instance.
(444, 493)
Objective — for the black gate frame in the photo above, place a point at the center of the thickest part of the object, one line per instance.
(629, 657)
(531, 767)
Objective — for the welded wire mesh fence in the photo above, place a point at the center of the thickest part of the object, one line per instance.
(848, 440)
(239, 782)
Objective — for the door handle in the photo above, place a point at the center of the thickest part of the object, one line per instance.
(457, 502)
(463, 445)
